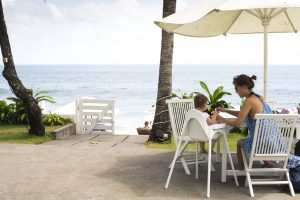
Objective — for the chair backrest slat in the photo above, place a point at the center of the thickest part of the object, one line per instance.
(272, 137)
(177, 111)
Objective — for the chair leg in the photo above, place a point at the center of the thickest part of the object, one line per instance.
(247, 174)
(290, 184)
(231, 162)
(183, 147)
(208, 169)
(196, 161)
(212, 167)
(173, 164)
(185, 166)
(245, 165)
(249, 183)
(218, 156)
(182, 159)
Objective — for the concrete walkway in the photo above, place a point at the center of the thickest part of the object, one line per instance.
(90, 167)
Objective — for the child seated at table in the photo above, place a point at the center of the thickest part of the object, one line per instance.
(201, 104)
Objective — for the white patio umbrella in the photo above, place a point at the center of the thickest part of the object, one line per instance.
(210, 18)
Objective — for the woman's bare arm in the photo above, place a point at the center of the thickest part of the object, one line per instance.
(231, 112)
(242, 114)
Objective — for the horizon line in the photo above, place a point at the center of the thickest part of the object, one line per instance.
(235, 64)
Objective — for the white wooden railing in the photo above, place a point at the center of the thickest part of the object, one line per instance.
(95, 116)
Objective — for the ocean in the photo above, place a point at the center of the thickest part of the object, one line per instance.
(134, 87)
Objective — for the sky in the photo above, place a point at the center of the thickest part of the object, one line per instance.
(123, 32)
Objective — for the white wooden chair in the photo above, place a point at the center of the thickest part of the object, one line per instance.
(196, 128)
(177, 111)
(272, 141)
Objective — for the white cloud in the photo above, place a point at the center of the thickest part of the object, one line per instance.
(181, 4)
(131, 7)
(89, 32)
(8, 2)
(54, 10)
(123, 32)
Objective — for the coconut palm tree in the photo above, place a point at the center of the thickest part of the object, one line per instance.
(10, 74)
(161, 119)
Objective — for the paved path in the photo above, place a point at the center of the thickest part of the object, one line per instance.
(93, 167)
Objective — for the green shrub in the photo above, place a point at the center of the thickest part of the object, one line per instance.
(6, 112)
(16, 112)
(68, 120)
(21, 113)
(53, 120)
(183, 95)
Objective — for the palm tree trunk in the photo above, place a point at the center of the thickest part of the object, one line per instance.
(161, 120)
(9, 73)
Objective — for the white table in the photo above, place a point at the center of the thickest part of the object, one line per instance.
(224, 171)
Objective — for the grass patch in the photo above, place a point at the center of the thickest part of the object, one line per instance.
(18, 134)
(232, 139)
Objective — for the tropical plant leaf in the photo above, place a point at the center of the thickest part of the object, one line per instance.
(183, 95)
(205, 88)
(221, 94)
(216, 93)
(41, 92)
(13, 99)
(196, 93)
(18, 112)
(60, 122)
(175, 96)
(45, 98)
(23, 116)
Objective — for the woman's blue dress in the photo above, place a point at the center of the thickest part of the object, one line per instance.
(247, 143)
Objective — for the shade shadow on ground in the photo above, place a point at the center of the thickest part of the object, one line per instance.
(146, 175)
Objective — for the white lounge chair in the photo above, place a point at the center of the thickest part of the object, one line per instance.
(272, 141)
(196, 128)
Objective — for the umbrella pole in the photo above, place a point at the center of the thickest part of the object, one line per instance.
(265, 24)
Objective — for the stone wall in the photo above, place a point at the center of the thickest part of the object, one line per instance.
(64, 131)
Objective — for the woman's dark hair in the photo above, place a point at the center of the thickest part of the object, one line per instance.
(200, 100)
(243, 79)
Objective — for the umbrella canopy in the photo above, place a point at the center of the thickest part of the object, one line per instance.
(210, 18)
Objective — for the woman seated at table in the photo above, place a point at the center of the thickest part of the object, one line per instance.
(254, 104)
